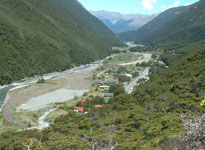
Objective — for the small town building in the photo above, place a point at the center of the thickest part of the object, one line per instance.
(109, 95)
(158, 52)
(80, 109)
(98, 106)
(104, 86)
(102, 83)
(83, 101)
(139, 71)
(111, 83)
(127, 75)
(106, 89)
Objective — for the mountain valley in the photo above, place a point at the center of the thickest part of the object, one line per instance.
(72, 79)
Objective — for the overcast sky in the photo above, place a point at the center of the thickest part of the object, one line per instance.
(134, 6)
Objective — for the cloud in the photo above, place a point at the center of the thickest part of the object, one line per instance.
(176, 4)
(163, 6)
(148, 4)
(187, 4)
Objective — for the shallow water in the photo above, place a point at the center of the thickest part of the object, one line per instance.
(6, 89)
(3, 93)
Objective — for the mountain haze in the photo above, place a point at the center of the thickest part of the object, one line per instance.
(118, 22)
(175, 26)
(188, 27)
(43, 36)
(153, 25)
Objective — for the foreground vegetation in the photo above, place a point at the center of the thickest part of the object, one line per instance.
(154, 116)
(149, 118)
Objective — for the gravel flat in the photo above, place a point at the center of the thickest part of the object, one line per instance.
(36, 96)
(43, 101)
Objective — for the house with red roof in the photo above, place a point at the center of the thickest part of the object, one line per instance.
(98, 106)
(80, 109)
(89, 99)
(83, 101)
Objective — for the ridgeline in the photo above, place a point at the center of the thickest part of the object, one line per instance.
(44, 36)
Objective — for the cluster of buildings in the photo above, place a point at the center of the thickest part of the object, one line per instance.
(106, 87)
(82, 109)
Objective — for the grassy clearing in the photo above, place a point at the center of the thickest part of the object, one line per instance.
(51, 82)
(28, 118)
(131, 68)
(5, 126)
(122, 57)
(119, 58)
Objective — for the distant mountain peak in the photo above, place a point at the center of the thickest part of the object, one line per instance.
(119, 22)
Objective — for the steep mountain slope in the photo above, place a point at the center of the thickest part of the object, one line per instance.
(188, 26)
(121, 25)
(149, 119)
(153, 25)
(42, 36)
(118, 22)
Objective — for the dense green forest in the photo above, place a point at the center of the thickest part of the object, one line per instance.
(175, 27)
(44, 36)
(178, 32)
(153, 25)
(147, 119)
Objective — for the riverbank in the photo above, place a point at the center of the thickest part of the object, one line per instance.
(39, 96)
(5, 102)
(30, 97)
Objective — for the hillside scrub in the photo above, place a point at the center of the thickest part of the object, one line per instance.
(39, 37)
(149, 118)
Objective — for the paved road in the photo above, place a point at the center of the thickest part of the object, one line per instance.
(144, 74)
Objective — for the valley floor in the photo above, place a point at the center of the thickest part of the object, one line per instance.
(24, 106)
(39, 96)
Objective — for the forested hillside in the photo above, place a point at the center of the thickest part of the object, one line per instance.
(41, 36)
(178, 31)
(187, 27)
(177, 26)
(147, 119)
(153, 25)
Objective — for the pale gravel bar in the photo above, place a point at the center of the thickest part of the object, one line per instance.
(42, 101)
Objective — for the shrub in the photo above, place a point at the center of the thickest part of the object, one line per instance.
(85, 94)
(41, 80)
